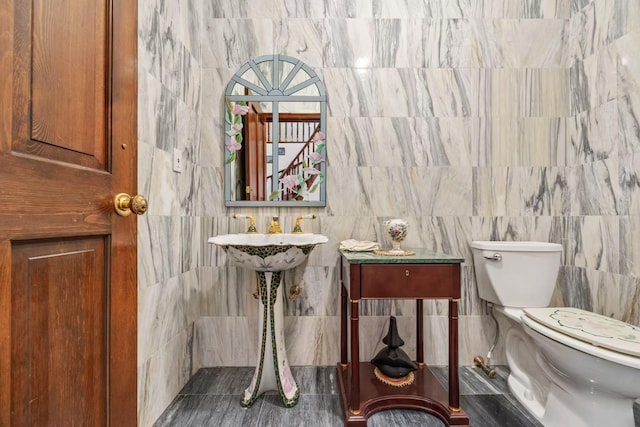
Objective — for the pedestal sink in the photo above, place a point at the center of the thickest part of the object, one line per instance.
(269, 255)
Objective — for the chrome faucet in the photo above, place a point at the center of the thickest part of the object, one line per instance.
(274, 227)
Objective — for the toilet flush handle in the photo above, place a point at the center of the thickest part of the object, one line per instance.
(495, 257)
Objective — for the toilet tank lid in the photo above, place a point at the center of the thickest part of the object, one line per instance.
(523, 246)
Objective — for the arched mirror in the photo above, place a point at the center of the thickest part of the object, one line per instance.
(275, 134)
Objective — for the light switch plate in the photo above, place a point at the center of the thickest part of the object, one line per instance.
(178, 161)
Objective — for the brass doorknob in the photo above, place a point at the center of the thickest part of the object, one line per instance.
(125, 204)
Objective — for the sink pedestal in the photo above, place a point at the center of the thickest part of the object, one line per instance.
(269, 255)
(272, 370)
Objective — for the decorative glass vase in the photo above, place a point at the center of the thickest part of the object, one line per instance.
(397, 229)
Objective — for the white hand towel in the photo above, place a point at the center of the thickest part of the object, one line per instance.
(359, 245)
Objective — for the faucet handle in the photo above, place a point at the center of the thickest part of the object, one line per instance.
(297, 229)
(252, 222)
(274, 227)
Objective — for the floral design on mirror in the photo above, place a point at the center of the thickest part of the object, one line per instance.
(275, 134)
(233, 120)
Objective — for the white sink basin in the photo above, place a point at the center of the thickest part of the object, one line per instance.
(268, 252)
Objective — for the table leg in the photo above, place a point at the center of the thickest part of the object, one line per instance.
(354, 404)
(454, 392)
(343, 326)
(419, 332)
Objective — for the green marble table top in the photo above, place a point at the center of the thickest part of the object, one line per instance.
(422, 256)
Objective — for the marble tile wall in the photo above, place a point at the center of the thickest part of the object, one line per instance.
(471, 119)
(452, 115)
(603, 139)
(169, 94)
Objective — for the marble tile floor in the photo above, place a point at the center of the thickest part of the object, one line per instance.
(212, 398)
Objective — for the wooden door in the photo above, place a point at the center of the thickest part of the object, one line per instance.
(255, 154)
(68, 94)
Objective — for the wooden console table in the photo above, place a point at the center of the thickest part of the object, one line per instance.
(425, 275)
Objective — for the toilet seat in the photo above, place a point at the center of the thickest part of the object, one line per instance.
(588, 332)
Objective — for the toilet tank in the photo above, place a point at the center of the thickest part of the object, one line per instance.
(516, 274)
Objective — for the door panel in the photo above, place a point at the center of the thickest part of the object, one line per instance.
(60, 313)
(68, 98)
(68, 36)
(62, 80)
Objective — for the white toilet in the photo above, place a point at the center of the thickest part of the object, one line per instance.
(569, 367)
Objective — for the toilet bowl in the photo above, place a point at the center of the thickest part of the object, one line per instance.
(568, 367)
